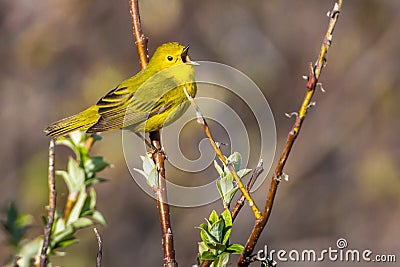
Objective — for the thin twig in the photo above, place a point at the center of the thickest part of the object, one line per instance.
(201, 120)
(52, 205)
(100, 247)
(158, 155)
(315, 72)
(240, 202)
(89, 143)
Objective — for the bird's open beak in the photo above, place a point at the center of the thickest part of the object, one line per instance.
(185, 57)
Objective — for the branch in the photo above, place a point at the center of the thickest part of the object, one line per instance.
(162, 205)
(52, 205)
(240, 202)
(100, 247)
(140, 38)
(201, 120)
(158, 155)
(315, 72)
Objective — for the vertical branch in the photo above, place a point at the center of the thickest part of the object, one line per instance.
(162, 205)
(140, 38)
(52, 206)
(315, 72)
(158, 156)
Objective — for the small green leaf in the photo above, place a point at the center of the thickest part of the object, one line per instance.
(229, 179)
(152, 178)
(227, 188)
(243, 172)
(65, 234)
(216, 246)
(77, 137)
(148, 163)
(206, 255)
(235, 249)
(202, 247)
(96, 137)
(66, 243)
(229, 195)
(76, 175)
(77, 209)
(68, 143)
(82, 223)
(149, 171)
(227, 217)
(213, 217)
(221, 261)
(94, 165)
(221, 189)
(216, 229)
(227, 234)
(95, 180)
(236, 160)
(58, 226)
(92, 198)
(219, 169)
(99, 217)
(206, 237)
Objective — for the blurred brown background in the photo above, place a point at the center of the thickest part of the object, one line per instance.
(58, 57)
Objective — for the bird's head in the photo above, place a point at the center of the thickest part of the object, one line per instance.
(171, 54)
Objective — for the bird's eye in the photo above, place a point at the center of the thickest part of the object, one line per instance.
(170, 58)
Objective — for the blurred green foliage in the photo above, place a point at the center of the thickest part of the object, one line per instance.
(80, 211)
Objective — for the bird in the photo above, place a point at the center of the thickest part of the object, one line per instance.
(153, 98)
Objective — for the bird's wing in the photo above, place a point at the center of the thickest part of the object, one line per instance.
(122, 107)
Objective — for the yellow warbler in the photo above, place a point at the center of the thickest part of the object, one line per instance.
(148, 101)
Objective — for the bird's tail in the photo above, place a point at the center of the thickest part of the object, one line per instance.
(80, 121)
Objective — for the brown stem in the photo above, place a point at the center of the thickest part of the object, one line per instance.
(52, 205)
(314, 75)
(140, 38)
(100, 247)
(158, 156)
(89, 143)
(162, 205)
